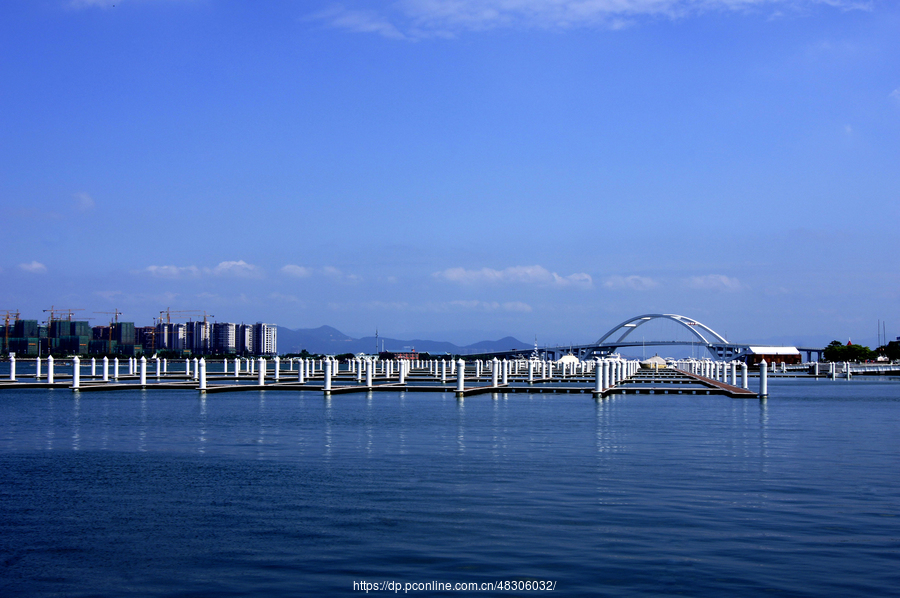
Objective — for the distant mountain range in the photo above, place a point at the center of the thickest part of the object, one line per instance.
(331, 341)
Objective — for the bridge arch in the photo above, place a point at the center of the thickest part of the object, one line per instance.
(699, 330)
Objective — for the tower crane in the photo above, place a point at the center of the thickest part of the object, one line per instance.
(116, 313)
(6, 314)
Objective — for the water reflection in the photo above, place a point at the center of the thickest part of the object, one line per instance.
(764, 434)
(201, 447)
(261, 425)
(51, 421)
(104, 435)
(370, 424)
(402, 434)
(329, 414)
(606, 438)
(142, 429)
(76, 422)
(461, 425)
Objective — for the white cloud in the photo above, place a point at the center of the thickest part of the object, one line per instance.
(475, 305)
(514, 275)
(633, 282)
(415, 19)
(895, 95)
(173, 271)
(714, 282)
(332, 272)
(83, 202)
(358, 21)
(516, 306)
(239, 268)
(284, 298)
(297, 271)
(34, 267)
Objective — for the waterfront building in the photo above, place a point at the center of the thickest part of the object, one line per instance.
(244, 339)
(61, 336)
(224, 337)
(265, 339)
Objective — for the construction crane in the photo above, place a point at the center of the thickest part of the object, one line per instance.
(6, 315)
(169, 312)
(67, 312)
(115, 313)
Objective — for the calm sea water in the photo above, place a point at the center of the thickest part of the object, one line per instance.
(274, 493)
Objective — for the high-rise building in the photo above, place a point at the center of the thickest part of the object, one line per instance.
(265, 339)
(224, 338)
(243, 344)
(198, 337)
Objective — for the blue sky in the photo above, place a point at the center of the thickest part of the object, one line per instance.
(457, 169)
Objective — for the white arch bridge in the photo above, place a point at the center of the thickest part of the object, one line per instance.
(621, 337)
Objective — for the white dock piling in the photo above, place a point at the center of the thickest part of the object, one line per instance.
(12, 368)
(327, 387)
(143, 371)
(93, 367)
(494, 372)
(116, 368)
(105, 368)
(370, 372)
(37, 368)
(745, 383)
(262, 372)
(763, 379)
(50, 369)
(201, 367)
(460, 377)
(76, 373)
(277, 368)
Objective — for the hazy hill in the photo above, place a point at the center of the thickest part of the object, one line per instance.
(328, 340)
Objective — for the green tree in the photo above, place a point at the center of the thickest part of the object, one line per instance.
(837, 351)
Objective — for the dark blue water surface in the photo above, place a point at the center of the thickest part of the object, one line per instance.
(166, 493)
